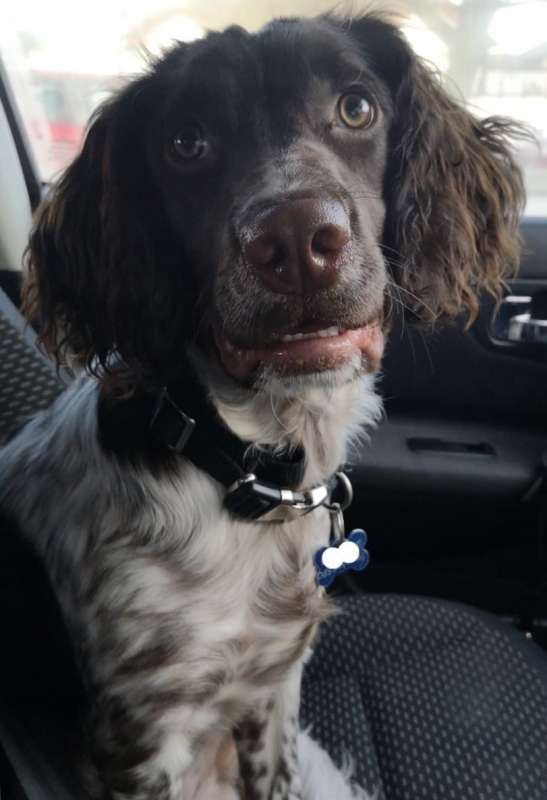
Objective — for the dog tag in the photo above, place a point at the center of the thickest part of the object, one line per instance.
(341, 556)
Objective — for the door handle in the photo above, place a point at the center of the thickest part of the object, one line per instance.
(516, 322)
(526, 328)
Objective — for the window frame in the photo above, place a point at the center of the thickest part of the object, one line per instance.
(35, 187)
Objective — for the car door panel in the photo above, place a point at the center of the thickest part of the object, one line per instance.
(466, 414)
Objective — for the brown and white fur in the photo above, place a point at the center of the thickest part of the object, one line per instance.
(192, 627)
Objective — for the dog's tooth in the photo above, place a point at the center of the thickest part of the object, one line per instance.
(323, 334)
(327, 332)
(292, 337)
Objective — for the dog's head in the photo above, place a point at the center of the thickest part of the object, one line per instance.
(257, 196)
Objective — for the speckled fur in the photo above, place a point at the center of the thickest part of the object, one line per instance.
(188, 625)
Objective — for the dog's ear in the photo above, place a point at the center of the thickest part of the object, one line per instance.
(93, 282)
(454, 193)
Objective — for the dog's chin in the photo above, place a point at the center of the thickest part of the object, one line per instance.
(279, 384)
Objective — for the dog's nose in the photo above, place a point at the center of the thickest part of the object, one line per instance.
(299, 246)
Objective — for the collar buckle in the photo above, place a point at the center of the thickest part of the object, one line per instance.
(170, 424)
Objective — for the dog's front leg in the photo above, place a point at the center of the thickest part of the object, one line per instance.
(266, 743)
(156, 733)
(143, 754)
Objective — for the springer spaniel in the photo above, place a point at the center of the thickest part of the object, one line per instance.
(226, 248)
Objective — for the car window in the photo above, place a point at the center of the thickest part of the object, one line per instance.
(63, 58)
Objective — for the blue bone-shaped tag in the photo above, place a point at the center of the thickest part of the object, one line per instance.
(341, 556)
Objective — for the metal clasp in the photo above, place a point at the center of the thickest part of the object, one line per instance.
(305, 501)
(251, 499)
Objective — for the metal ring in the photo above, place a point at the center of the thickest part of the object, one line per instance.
(337, 522)
(348, 488)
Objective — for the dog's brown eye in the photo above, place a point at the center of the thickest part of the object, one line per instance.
(356, 111)
(189, 144)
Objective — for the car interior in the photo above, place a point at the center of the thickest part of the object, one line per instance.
(451, 489)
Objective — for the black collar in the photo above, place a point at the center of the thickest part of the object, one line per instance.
(256, 480)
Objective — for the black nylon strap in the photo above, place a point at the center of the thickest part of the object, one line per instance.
(192, 426)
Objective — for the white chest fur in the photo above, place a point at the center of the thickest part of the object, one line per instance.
(235, 602)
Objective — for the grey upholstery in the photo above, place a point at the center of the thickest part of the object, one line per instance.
(28, 380)
(433, 700)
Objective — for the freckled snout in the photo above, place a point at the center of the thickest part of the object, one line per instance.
(299, 246)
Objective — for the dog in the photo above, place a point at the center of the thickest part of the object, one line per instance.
(233, 235)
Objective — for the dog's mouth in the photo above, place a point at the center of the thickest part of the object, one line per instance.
(311, 348)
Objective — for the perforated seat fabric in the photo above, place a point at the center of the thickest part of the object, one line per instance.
(28, 382)
(433, 700)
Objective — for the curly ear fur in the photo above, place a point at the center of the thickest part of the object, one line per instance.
(93, 284)
(454, 193)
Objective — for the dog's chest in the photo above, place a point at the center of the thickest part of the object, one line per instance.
(268, 591)
(219, 615)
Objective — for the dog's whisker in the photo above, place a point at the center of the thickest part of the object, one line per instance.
(419, 300)
(394, 298)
